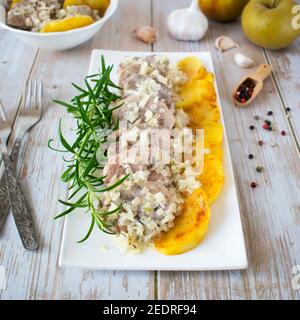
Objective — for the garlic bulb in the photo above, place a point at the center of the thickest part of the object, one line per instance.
(188, 24)
(243, 61)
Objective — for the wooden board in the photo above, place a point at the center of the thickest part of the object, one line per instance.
(37, 275)
(270, 213)
(16, 61)
(287, 82)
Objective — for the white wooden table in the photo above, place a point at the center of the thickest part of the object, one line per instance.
(270, 213)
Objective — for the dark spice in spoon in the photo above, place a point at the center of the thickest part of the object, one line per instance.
(245, 91)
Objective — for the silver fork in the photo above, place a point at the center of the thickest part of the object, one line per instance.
(30, 113)
(18, 204)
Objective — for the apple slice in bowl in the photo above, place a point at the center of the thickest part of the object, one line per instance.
(57, 41)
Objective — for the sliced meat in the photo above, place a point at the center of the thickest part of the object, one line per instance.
(127, 71)
(167, 95)
(112, 169)
(158, 186)
(23, 22)
(166, 116)
(129, 195)
(131, 82)
(156, 176)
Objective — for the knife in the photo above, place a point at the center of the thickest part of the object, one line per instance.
(4, 199)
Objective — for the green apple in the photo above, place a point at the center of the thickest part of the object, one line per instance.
(269, 23)
(222, 10)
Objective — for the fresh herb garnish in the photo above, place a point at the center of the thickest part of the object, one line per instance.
(93, 110)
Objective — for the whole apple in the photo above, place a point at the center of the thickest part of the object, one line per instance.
(222, 10)
(268, 23)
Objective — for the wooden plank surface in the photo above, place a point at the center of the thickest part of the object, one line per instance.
(287, 80)
(16, 61)
(286, 77)
(37, 275)
(270, 214)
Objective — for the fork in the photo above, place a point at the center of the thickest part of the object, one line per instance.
(18, 204)
(30, 113)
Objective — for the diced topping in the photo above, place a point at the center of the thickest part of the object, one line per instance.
(152, 194)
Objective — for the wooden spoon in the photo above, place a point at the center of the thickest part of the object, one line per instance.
(263, 72)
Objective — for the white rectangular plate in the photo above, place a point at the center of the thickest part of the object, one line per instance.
(223, 247)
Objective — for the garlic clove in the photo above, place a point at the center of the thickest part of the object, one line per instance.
(188, 24)
(224, 43)
(243, 61)
(145, 34)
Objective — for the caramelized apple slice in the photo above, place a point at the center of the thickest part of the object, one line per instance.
(67, 24)
(212, 177)
(190, 227)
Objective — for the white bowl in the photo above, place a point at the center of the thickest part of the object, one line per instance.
(57, 41)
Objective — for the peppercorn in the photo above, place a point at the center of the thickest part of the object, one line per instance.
(245, 91)
(259, 169)
(253, 185)
(251, 156)
(251, 127)
(270, 128)
(283, 133)
(260, 142)
(268, 122)
(288, 109)
(266, 126)
(256, 117)
(270, 113)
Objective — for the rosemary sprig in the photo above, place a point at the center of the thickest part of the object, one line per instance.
(93, 111)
